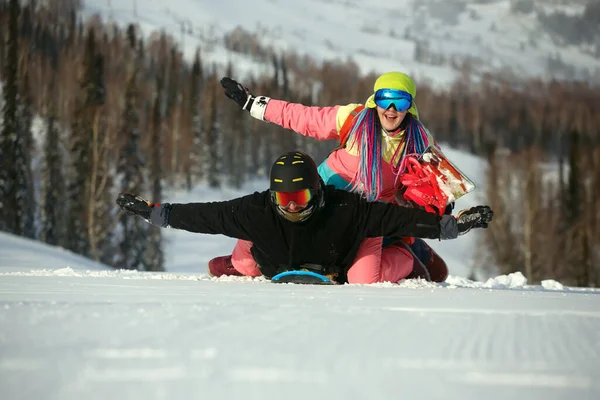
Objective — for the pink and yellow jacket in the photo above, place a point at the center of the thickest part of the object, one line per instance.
(325, 123)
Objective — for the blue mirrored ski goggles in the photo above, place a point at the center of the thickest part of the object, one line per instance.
(401, 100)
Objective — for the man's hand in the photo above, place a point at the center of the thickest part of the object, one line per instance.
(156, 214)
(474, 217)
(135, 205)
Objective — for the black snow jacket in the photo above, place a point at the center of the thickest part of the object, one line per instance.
(326, 242)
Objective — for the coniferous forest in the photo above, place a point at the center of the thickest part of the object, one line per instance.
(90, 109)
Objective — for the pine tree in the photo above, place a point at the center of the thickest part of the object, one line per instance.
(236, 135)
(8, 132)
(211, 163)
(173, 111)
(13, 158)
(196, 170)
(83, 134)
(53, 213)
(100, 179)
(131, 168)
(154, 258)
(573, 197)
(76, 191)
(25, 191)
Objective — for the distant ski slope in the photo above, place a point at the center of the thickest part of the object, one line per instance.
(378, 36)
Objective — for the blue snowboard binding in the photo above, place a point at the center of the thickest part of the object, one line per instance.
(302, 278)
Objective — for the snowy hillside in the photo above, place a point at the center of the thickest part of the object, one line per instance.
(378, 36)
(70, 334)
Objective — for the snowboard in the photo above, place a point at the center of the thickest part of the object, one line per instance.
(432, 181)
(302, 278)
(451, 180)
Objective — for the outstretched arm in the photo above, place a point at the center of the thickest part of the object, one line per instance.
(316, 122)
(215, 218)
(320, 123)
(383, 219)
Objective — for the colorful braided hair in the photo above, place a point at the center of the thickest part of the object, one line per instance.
(364, 132)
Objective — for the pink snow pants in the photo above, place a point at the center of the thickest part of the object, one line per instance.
(372, 263)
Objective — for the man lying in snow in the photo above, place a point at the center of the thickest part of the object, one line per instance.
(300, 224)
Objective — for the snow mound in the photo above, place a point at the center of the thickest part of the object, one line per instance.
(515, 280)
(551, 284)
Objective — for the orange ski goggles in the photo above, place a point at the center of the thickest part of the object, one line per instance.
(300, 198)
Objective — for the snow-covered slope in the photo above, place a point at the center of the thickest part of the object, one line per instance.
(379, 36)
(70, 334)
(21, 254)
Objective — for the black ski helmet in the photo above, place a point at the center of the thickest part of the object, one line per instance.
(294, 171)
(291, 172)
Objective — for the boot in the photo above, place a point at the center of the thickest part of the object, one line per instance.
(435, 265)
(438, 270)
(419, 270)
(220, 266)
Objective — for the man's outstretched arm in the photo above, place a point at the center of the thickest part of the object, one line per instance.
(211, 218)
(392, 220)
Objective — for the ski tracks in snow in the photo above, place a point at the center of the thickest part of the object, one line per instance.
(96, 336)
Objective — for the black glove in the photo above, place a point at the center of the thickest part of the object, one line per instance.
(156, 214)
(474, 217)
(135, 205)
(241, 95)
(238, 93)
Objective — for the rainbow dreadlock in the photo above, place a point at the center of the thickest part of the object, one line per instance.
(364, 132)
(416, 140)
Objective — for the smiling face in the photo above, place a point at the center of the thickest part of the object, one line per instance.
(294, 208)
(295, 213)
(390, 119)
